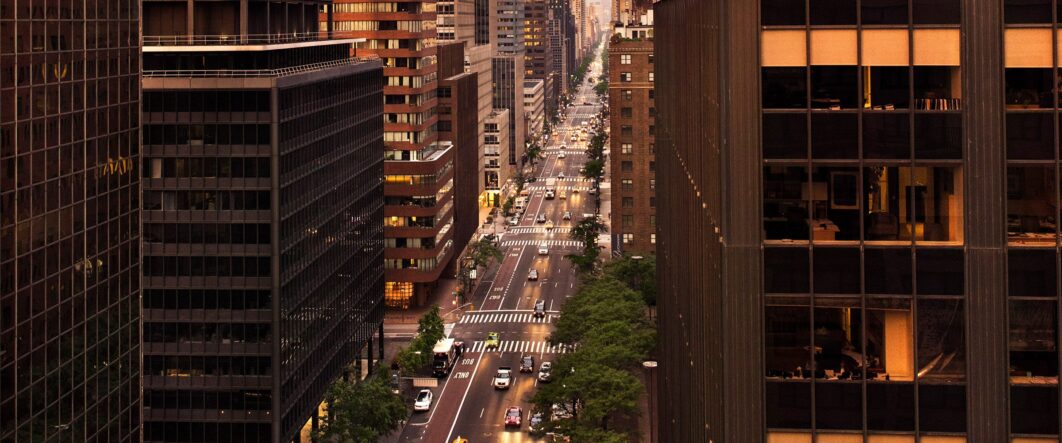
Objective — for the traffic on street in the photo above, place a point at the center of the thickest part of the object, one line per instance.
(487, 395)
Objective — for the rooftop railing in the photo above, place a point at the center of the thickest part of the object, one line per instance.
(244, 73)
(250, 39)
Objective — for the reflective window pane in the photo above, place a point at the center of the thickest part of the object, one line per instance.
(941, 340)
(888, 271)
(1032, 272)
(837, 270)
(785, 136)
(785, 208)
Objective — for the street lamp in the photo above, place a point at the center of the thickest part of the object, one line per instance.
(650, 386)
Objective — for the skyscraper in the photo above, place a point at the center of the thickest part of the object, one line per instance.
(419, 170)
(508, 73)
(632, 159)
(69, 221)
(861, 211)
(263, 218)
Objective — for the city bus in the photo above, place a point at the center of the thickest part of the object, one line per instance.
(444, 356)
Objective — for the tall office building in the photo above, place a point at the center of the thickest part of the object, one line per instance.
(861, 212)
(459, 125)
(419, 170)
(535, 106)
(460, 21)
(539, 28)
(632, 118)
(508, 74)
(69, 235)
(263, 218)
(498, 172)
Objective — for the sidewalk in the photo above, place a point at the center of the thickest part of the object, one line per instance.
(443, 296)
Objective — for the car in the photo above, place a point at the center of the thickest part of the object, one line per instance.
(540, 308)
(563, 147)
(503, 378)
(536, 423)
(592, 191)
(567, 214)
(550, 194)
(513, 221)
(541, 218)
(560, 175)
(561, 155)
(559, 412)
(533, 275)
(549, 224)
(527, 363)
(574, 138)
(563, 195)
(492, 340)
(423, 402)
(513, 416)
(543, 249)
(545, 372)
(575, 190)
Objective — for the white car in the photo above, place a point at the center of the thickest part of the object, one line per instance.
(503, 378)
(561, 175)
(423, 402)
(561, 155)
(513, 221)
(532, 275)
(543, 249)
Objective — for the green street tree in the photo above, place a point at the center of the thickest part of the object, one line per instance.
(361, 412)
(593, 169)
(638, 274)
(598, 302)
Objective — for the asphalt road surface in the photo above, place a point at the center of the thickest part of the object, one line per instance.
(466, 404)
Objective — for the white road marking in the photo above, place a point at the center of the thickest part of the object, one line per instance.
(464, 397)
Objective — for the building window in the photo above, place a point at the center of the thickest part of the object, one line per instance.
(652, 202)
(650, 59)
(627, 166)
(628, 184)
(627, 94)
(652, 129)
(628, 221)
(652, 94)
(398, 294)
(1031, 205)
(652, 184)
(628, 239)
(626, 148)
(652, 221)
(652, 77)
(626, 112)
(626, 130)
(625, 77)
(652, 238)
(628, 202)
(625, 59)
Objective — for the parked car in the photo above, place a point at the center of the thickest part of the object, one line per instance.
(513, 416)
(536, 423)
(423, 402)
(545, 372)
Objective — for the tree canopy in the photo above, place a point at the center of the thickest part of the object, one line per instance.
(361, 411)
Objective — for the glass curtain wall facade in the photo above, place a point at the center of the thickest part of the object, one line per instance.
(900, 206)
(69, 221)
(263, 226)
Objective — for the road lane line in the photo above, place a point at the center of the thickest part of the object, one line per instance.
(463, 397)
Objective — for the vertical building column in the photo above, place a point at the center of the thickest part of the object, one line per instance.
(741, 169)
(986, 308)
(189, 20)
(243, 21)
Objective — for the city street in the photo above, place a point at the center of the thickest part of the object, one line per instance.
(466, 404)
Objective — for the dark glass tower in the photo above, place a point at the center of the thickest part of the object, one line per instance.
(263, 226)
(69, 217)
